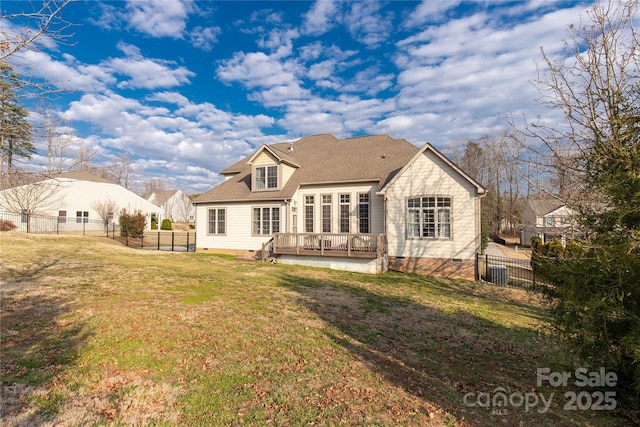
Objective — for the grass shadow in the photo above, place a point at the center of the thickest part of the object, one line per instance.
(39, 341)
(445, 357)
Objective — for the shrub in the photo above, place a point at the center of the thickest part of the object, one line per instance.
(484, 234)
(154, 224)
(6, 225)
(594, 298)
(166, 224)
(132, 224)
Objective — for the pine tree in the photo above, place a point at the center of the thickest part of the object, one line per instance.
(15, 130)
(595, 286)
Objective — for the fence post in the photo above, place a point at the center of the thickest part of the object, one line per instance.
(173, 239)
(486, 267)
(158, 240)
(187, 241)
(477, 267)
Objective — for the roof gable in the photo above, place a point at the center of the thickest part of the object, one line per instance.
(279, 156)
(443, 158)
(541, 207)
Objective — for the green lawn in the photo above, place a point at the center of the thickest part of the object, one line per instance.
(94, 333)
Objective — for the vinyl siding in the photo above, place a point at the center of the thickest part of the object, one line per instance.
(430, 176)
(286, 172)
(238, 228)
(264, 159)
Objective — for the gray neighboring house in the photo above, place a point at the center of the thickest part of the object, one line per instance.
(364, 204)
(549, 219)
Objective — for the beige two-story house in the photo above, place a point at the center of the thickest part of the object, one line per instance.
(361, 204)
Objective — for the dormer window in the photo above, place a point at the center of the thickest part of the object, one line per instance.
(266, 177)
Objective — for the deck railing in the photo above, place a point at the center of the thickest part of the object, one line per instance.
(349, 245)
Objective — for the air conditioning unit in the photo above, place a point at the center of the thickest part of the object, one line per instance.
(498, 274)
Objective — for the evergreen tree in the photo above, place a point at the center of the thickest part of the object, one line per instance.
(594, 287)
(15, 130)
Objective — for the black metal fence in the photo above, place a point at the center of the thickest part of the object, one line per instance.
(41, 224)
(178, 241)
(175, 241)
(504, 271)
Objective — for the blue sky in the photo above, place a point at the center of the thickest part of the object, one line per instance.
(187, 87)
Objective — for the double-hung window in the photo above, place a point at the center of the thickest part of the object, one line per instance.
(429, 217)
(345, 210)
(363, 213)
(82, 216)
(217, 223)
(266, 220)
(266, 177)
(308, 213)
(326, 213)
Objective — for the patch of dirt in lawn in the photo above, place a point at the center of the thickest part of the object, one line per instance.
(120, 397)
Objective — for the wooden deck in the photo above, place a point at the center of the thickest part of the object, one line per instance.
(369, 246)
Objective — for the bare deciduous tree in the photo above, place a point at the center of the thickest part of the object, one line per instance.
(593, 84)
(185, 209)
(153, 185)
(32, 195)
(107, 210)
(120, 170)
(27, 26)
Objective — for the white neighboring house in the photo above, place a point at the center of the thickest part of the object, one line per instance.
(359, 204)
(74, 197)
(548, 219)
(175, 205)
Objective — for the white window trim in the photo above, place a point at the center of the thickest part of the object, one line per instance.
(410, 236)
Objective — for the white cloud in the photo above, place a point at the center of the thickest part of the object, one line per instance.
(429, 11)
(68, 74)
(320, 18)
(255, 69)
(204, 37)
(147, 73)
(367, 24)
(370, 81)
(470, 72)
(279, 41)
(169, 97)
(100, 109)
(158, 18)
(192, 135)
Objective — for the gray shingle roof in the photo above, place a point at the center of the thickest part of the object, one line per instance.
(541, 207)
(321, 159)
